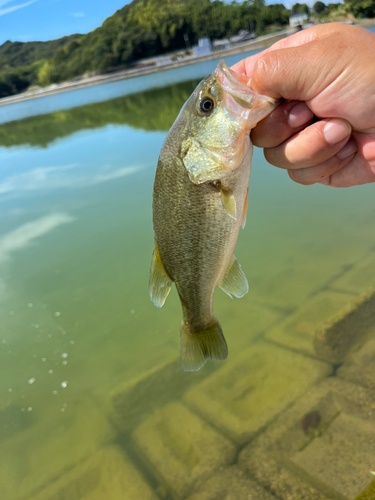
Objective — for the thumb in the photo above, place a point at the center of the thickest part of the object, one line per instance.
(301, 72)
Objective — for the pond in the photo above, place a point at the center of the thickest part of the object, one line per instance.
(93, 403)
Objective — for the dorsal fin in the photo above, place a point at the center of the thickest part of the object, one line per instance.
(234, 281)
(160, 283)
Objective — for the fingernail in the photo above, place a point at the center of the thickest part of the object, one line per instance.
(349, 149)
(336, 130)
(299, 115)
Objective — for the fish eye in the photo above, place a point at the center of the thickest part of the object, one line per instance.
(206, 105)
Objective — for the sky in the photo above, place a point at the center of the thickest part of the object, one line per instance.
(40, 20)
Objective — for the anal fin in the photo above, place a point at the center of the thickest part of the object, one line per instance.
(234, 281)
(160, 283)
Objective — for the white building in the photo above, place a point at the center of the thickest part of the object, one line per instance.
(298, 19)
(203, 48)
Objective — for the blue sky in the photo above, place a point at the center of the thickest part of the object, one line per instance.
(29, 20)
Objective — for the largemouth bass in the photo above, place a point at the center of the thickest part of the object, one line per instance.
(199, 204)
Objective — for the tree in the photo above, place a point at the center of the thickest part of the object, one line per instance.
(361, 8)
(44, 75)
(299, 8)
(319, 7)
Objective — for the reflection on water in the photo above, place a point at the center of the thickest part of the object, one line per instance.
(108, 91)
(93, 403)
(151, 110)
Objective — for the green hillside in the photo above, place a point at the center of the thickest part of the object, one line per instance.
(143, 28)
(146, 28)
(150, 27)
(14, 54)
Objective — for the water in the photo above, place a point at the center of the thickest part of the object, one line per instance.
(105, 92)
(78, 330)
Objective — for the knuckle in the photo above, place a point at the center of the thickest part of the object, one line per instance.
(258, 137)
(266, 72)
(263, 65)
(271, 157)
(301, 177)
(292, 175)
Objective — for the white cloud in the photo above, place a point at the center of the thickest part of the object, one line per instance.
(39, 178)
(78, 14)
(61, 177)
(25, 37)
(115, 174)
(3, 2)
(22, 236)
(15, 7)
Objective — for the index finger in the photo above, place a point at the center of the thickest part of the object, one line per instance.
(246, 66)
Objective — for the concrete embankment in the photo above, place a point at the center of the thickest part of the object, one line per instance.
(123, 75)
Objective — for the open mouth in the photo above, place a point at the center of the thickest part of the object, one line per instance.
(238, 86)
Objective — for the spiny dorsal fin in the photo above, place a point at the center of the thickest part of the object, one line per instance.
(229, 202)
(245, 207)
(234, 282)
(160, 283)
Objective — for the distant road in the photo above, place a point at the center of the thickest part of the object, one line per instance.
(259, 43)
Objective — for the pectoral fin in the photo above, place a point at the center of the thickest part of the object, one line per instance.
(234, 282)
(229, 203)
(245, 207)
(160, 283)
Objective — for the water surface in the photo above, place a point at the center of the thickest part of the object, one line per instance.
(75, 247)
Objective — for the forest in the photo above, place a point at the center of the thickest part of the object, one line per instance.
(146, 28)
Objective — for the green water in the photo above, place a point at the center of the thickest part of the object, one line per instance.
(75, 247)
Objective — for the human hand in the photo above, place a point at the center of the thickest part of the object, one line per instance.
(326, 72)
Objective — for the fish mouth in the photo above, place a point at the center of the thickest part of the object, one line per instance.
(238, 87)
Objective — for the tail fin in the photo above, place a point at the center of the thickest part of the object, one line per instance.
(197, 347)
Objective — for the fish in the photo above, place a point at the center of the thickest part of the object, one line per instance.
(200, 200)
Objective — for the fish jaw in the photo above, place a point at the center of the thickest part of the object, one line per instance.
(218, 144)
(239, 99)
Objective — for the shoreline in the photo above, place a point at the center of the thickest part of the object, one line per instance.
(262, 43)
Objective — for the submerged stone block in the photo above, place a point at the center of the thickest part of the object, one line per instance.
(14, 419)
(230, 483)
(357, 279)
(107, 475)
(298, 330)
(39, 454)
(368, 493)
(243, 321)
(288, 286)
(180, 448)
(334, 340)
(360, 366)
(133, 400)
(322, 448)
(251, 389)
